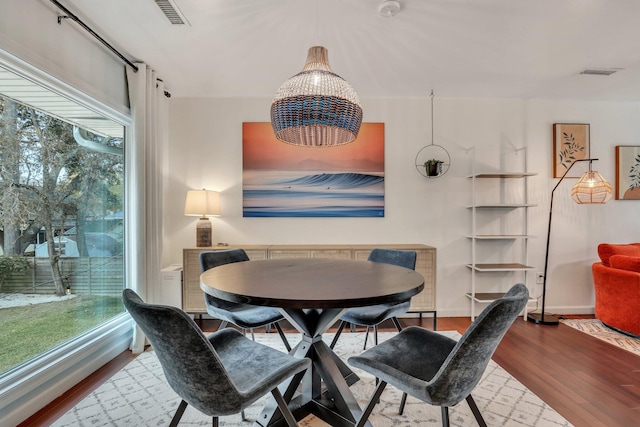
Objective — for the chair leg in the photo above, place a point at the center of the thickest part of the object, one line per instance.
(366, 337)
(282, 335)
(375, 334)
(397, 323)
(335, 338)
(243, 416)
(476, 411)
(215, 422)
(284, 408)
(223, 325)
(445, 416)
(375, 398)
(403, 402)
(176, 417)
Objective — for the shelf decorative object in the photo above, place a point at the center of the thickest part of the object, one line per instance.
(432, 160)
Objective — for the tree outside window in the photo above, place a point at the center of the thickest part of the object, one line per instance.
(61, 212)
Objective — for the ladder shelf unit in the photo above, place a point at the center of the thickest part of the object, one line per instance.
(499, 233)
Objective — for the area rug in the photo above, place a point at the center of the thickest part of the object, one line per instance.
(597, 329)
(138, 395)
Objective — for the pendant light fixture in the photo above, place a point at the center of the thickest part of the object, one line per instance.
(316, 107)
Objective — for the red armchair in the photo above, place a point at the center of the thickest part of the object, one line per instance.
(617, 286)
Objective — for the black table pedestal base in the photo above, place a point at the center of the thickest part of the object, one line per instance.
(324, 389)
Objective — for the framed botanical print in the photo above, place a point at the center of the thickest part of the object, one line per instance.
(627, 172)
(570, 143)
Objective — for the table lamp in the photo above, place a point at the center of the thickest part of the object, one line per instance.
(202, 203)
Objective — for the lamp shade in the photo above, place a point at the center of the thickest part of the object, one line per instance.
(316, 107)
(592, 188)
(202, 203)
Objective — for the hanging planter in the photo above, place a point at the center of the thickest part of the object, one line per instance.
(427, 158)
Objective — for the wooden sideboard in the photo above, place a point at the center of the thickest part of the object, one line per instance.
(425, 301)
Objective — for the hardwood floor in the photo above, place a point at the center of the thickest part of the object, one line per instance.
(588, 381)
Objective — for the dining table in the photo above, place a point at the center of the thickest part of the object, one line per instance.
(312, 293)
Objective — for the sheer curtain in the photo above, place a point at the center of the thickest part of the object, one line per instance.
(146, 150)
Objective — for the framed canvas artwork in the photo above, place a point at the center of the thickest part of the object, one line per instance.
(285, 180)
(570, 143)
(627, 172)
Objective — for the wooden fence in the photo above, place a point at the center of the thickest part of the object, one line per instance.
(89, 275)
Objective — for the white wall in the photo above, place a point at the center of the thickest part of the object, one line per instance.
(206, 151)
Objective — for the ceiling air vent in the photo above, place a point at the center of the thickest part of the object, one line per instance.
(171, 11)
(599, 72)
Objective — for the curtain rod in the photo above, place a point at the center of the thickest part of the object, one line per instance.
(73, 17)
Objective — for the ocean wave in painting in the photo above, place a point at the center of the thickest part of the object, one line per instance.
(315, 194)
(336, 180)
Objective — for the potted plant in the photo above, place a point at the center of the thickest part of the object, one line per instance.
(433, 167)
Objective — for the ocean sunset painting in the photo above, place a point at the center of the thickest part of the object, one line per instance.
(285, 180)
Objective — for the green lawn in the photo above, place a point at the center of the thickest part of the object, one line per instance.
(28, 331)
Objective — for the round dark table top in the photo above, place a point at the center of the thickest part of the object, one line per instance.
(311, 283)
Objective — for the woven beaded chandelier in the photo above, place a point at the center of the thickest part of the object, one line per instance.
(316, 107)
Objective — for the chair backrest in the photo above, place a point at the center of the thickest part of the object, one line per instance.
(463, 368)
(189, 361)
(211, 259)
(405, 259)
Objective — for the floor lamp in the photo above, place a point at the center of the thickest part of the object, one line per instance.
(592, 188)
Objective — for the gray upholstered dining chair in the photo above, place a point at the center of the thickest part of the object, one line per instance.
(245, 316)
(437, 369)
(221, 374)
(373, 315)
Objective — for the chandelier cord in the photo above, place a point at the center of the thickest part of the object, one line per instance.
(317, 25)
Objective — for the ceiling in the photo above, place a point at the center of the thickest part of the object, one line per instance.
(459, 48)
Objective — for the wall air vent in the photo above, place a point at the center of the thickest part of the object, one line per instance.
(600, 72)
(171, 11)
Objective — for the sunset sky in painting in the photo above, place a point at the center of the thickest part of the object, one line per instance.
(261, 150)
